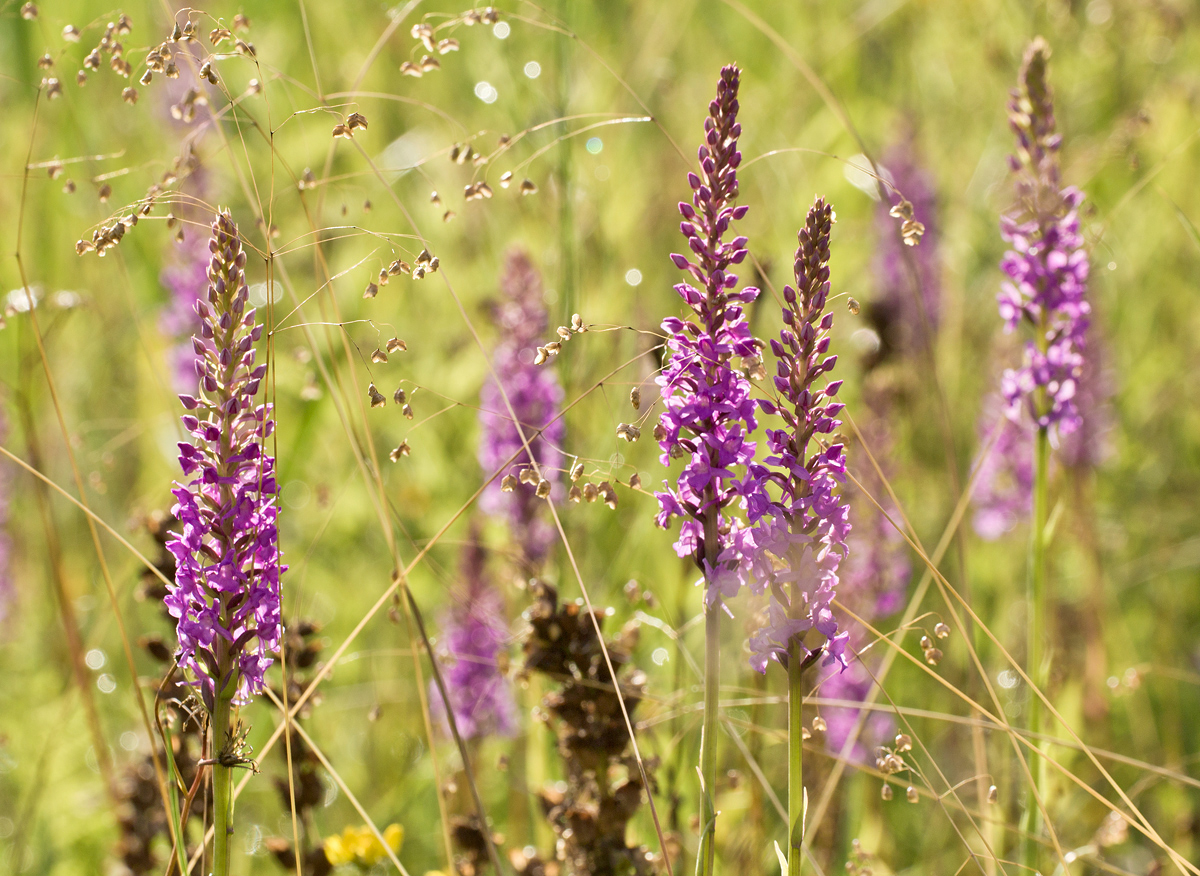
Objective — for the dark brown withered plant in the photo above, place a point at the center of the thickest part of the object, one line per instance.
(603, 789)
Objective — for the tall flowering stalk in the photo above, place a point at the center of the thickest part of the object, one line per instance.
(536, 397)
(475, 635)
(1047, 269)
(226, 595)
(802, 536)
(708, 413)
(905, 314)
(186, 279)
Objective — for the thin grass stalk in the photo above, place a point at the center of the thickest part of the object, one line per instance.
(795, 759)
(1037, 664)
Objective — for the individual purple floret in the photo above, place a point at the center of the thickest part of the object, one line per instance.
(898, 306)
(1003, 493)
(186, 278)
(708, 413)
(1047, 265)
(802, 536)
(536, 398)
(474, 638)
(226, 591)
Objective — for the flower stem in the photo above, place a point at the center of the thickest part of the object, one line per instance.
(795, 759)
(708, 738)
(1037, 666)
(222, 784)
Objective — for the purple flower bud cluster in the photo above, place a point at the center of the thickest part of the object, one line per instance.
(186, 278)
(1047, 265)
(896, 303)
(708, 413)
(536, 398)
(802, 536)
(226, 594)
(475, 635)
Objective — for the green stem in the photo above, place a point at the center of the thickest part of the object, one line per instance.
(708, 738)
(1037, 665)
(222, 785)
(795, 759)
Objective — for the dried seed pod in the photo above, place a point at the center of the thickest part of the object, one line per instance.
(422, 32)
(129, 95)
(553, 348)
(371, 291)
(853, 306)
(435, 198)
(447, 45)
(428, 63)
(941, 631)
(448, 215)
(563, 333)
(590, 493)
(146, 78)
(886, 791)
(45, 62)
(53, 88)
(425, 257)
(218, 35)
(342, 131)
(911, 794)
(903, 742)
(29, 11)
(818, 724)
(395, 345)
(171, 71)
(400, 396)
(993, 794)
(933, 656)
(54, 169)
(505, 179)
(356, 121)
(629, 432)
(69, 187)
(81, 78)
(529, 476)
(384, 276)
(124, 24)
(577, 323)
(608, 494)
(576, 471)
(434, 264)
(543, 489)
(574, 494)
(926, 642)
(635, 481)
(508, 484)
(105, 193)
(402, 450)
(92, 60)
(379, 357)
(377, 397)
(407, 411)
(528, 187)
(804, 734)
(71, 34)
(635, 398)
(541, 356)
(408, 68)
(241, 23)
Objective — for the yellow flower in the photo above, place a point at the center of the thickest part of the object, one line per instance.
(360, 846)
